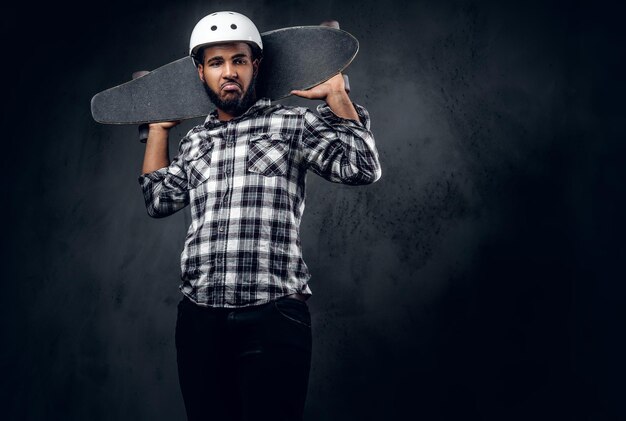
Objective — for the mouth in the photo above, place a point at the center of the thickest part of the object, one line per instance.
(229, 87)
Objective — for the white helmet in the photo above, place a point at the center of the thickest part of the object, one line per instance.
(222, 27)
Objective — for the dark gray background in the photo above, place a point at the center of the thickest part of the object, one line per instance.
(480, 279)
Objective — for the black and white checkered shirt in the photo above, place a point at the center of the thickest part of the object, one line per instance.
(245, 181)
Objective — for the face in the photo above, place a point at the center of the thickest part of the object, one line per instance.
(229, 73)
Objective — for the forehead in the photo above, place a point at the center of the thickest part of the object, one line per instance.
(227, 50)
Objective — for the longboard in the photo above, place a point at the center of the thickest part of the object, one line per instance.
(293, 58)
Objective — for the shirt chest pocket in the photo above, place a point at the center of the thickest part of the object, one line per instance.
(268, 154)
(198, 164)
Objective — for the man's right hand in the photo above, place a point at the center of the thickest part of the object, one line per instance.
(166, 125)
(156, 155)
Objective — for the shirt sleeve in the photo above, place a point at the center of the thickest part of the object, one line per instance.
(165, 190)
(339, 149)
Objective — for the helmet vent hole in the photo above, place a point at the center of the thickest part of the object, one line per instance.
(233, 26)
(213, 28)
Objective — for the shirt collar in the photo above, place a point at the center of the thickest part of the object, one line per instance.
(212, 120)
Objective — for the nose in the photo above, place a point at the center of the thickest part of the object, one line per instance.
(229, 71)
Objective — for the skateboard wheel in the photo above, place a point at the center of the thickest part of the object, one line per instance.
(143, 132)
(330, 24)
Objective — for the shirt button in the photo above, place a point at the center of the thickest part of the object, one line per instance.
(230, 143)
(221, 228)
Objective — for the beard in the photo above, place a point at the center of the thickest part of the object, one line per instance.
(237, 105)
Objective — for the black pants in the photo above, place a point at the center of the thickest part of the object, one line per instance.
(244, 364)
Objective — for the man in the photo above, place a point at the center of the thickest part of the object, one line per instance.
(243, 334)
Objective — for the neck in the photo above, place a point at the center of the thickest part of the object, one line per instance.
(224, 116)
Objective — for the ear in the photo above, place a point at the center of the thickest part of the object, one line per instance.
(255, 66)
(201, 72)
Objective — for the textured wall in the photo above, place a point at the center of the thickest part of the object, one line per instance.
(477, 280)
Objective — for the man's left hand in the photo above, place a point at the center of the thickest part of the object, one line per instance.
(333, 91)
(332, 86)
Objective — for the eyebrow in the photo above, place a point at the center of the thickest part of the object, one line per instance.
(215, 58)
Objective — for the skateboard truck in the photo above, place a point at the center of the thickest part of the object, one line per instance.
(334, 24)
(143, 128)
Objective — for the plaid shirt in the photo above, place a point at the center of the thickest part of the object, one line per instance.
(245, 181)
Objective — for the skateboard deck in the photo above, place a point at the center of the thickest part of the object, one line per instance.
(293, 58)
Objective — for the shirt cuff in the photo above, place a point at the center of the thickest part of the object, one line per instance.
(153, 176)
